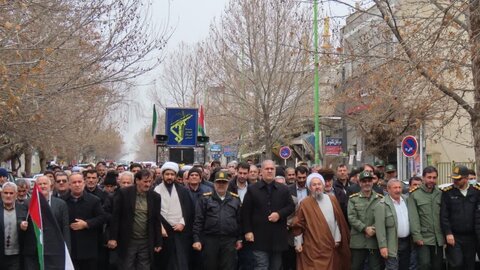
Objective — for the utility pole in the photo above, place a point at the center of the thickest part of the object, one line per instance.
(316, 89)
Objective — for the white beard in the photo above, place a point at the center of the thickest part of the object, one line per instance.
(317, 195)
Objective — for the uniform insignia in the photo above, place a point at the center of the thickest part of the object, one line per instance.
(354, 195)
(447, 188)
(413, 189)
(207, 193)
(234, 195)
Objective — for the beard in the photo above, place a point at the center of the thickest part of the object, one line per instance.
(317, 195)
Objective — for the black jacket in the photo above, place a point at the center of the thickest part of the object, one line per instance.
(292, 188)
(216, 217)
(457, 212)
(340, 192)
(84, 243)
(258, 204)
(121, 226)
(21, 212)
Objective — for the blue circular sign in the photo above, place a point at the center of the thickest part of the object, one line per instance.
(285, 152)
(409, 146)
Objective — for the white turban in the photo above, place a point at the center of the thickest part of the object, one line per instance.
(169, 166)
(312, 176)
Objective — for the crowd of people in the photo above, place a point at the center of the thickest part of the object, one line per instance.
(246, 216)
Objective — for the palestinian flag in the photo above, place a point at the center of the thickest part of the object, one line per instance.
(201, 122)
(48, 235)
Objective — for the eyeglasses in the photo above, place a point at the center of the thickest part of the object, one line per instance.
(61, 181)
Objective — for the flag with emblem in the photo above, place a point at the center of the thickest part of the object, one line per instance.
(47, 233)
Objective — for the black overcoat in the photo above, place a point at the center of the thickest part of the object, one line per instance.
(121, 225)
(258, 204)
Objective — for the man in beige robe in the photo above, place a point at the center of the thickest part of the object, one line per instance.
(323, 235)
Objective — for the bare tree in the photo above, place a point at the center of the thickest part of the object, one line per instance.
(422, 65)
(62, 64)
(255, 56)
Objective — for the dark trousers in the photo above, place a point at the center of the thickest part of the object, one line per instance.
(267, 260)
(462, 255)
(402, 261)
(10, 262)
(85, 264)
(429, 257)
(219, 252)
(289, 259)
(360, 255)
(138, 256)
(245, 257)
(51, 262)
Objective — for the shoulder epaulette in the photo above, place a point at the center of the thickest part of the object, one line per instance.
(447, 188)
(207, 194)
(234, 195)
(413, 189)
(379, 195)
(354, 195)
(476, 186)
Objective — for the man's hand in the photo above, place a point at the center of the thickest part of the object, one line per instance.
(274, 217)
(369, 231)
(384, 252)
(238, 245)
(299, 248)
(111, 244)
(178, 227)
(78, 225)
(419, 243)
(249, 237)
(23, 225)
(197, 246)
(157, 249)
(450, 240)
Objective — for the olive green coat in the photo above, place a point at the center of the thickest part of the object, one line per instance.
(386, 224)
(424, 214)
(360, 216)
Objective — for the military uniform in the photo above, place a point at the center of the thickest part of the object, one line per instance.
(457, 217)
(360, 216)
(424, 215)
(386, 229)
(217, 228)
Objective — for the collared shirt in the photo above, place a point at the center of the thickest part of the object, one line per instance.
(140, 217)
(301, 193)
(242, 191)
(403, 224)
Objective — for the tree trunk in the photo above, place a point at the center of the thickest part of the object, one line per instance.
(43, 159)
(475, 49)
(28, 161)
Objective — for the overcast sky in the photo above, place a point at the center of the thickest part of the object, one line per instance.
(190, 21)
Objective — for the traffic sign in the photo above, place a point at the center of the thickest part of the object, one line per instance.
(285, 152)
(409, 146)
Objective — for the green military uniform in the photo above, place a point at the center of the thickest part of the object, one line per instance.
(424, 215)
(360, 216)
(386, 226)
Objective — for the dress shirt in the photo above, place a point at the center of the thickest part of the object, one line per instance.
(403, 224)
